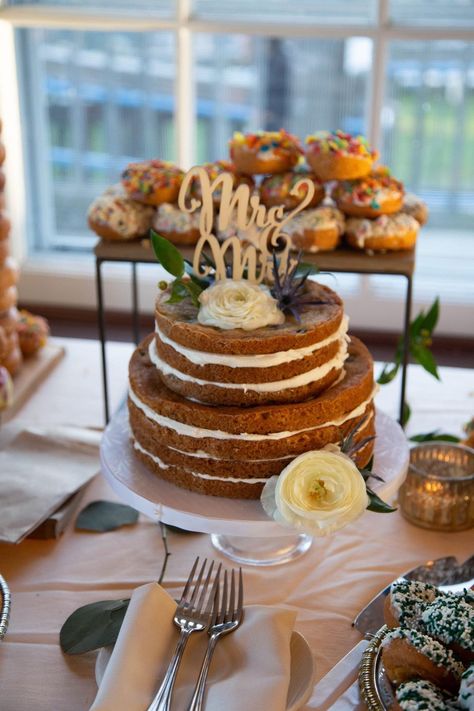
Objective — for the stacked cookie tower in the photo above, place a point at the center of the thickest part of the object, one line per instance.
(219, 410)
(10, 352)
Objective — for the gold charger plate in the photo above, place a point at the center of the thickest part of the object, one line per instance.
(375, 688)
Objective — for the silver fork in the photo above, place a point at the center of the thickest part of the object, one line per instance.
(226, 617)
(191, 615)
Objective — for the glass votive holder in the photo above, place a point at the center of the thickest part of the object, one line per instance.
(438, 492)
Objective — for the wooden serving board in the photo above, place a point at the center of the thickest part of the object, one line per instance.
(33, 372)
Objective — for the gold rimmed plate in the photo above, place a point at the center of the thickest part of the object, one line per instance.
(375, 688)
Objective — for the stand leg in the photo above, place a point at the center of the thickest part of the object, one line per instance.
(101, 322)
(136, 321)
(406, 345)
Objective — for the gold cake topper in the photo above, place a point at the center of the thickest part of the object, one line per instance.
(248, 260)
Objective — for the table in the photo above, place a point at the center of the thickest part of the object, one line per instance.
(327, 586)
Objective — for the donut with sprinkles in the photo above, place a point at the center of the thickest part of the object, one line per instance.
(152, 182)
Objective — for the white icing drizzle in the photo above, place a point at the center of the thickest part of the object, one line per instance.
(161, 464)
(310, 376)
(266, 360)
(199, 432)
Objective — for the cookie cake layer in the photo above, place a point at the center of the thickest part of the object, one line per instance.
(232, 450)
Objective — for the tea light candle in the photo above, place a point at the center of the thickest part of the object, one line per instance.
(438, 492)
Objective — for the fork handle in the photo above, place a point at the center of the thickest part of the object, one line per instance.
(196, 703)
(162, 699)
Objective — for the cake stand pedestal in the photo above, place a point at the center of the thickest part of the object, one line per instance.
(239, 528)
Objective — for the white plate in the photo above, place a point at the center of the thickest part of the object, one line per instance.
(162, 501)
(301, 671)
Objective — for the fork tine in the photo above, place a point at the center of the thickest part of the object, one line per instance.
(200, 603)
(240, 598)
(223, 607)
(230, 607)
(197, 584)
(188, 582)
(212, 607)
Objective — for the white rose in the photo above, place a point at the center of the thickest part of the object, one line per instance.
(319, 492)
(238, 304)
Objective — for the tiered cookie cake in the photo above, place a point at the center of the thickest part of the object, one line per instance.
(218, 409)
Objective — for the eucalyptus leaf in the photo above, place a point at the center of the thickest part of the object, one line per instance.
(193, 290)
(388, 373)
(100, 516)
(416, 325)
(376, 504)
(167, 255)
(431, 318)
(178, 292)
(425, 358)
(93, 626)
(435, 436)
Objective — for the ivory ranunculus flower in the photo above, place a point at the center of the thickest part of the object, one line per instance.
(238, 304)
(319, 492)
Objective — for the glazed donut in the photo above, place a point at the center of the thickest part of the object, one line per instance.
(115, 190)
(3, 343)
(8, 298)
(406, 601)
(419, 695)
(408, 655)
(2, 153)
(113, 217)
(152, 182)
(2, 180)
(251, 235)
(9, 320)
(214, 170)
(416, 207)
(6, 388)
(376, 194)
(387, 233)
(316, 230)
(33, 332)
(13, 360)
(4, 226)
(275, 190)
(4, 252)
(177, 226)
(450, 620)
(335, 155)
(8, 274)
(264, 152)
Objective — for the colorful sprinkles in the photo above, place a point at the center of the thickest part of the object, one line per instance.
(340, 143)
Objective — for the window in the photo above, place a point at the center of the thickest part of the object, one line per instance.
(103, 83)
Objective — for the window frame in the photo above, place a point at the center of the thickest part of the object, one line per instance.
(184, 24)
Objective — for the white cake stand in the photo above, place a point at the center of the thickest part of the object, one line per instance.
(239, 528)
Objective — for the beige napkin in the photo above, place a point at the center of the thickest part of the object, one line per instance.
(250, 670)
(38, 472)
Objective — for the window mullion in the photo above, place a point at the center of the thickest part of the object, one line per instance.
(379, 69)
(185, 89)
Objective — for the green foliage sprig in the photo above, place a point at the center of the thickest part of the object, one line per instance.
(419, 343)
(186, 283)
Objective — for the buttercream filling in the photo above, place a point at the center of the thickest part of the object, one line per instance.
(200, 454)
(266, 360)
(310, 376)
(199, 432)
(161, 464)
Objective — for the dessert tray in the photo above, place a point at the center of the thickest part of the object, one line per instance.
(234, 524)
